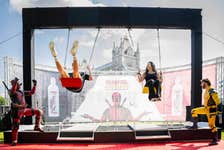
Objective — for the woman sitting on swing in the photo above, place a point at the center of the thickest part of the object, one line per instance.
(153, 82)
(75, 66)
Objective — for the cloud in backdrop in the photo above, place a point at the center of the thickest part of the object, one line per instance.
(173, 42)
(19, 4)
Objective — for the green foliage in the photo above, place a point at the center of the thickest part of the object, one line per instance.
(3, 101)
(222, 135)
(1, 137)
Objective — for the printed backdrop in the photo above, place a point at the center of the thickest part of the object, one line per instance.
(134, 105)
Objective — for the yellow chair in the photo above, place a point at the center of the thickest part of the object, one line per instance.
(145, 90)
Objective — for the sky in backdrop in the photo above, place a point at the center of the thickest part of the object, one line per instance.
(175, 44)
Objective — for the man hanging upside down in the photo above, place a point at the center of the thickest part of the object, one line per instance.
(19, 108)
(75, 66)
(210, 109)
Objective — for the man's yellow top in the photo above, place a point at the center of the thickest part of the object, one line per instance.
(211, 98)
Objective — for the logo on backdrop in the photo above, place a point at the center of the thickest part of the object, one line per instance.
(116, 85)
(53, 99)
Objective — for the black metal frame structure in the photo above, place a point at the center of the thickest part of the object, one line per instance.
(113, 17)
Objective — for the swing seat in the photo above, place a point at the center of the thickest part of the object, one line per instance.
(146, 90)
(75, 83)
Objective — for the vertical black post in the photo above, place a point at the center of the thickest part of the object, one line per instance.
(28, 64)
(196, 63)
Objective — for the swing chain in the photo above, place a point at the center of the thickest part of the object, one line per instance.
(66, 52)
(130, 36)
(159, 48)
(94, 44)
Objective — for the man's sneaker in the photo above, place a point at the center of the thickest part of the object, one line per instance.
(214, 139)
(51, 46)
(195, 124)
(74, 48)
(194, 127)
(38, 129)
(13, 143)
(213, 142)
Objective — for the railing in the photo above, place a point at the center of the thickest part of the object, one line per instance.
(3, 110)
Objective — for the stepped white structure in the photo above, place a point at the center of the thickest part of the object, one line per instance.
(134, 106)
(98, 104)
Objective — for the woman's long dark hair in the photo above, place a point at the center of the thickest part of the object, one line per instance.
(153, 67)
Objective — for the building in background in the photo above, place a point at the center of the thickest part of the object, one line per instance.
(124, 57)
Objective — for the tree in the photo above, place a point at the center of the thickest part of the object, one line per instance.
(3, 101)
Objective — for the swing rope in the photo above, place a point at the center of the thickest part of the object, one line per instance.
(159, 48)
(132, 42)
(66, 52)
(130, 36)
(70, 83)
(94, 44)
(90, 58)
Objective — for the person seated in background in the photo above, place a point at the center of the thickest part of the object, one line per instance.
(19, 108)
(153, 81)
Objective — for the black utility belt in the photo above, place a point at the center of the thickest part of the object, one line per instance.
(213, 110)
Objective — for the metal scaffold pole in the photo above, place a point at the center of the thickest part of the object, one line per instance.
(6, 74)
(220, 77)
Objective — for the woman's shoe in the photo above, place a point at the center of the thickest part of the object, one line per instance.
(154, 99)
(158, 99)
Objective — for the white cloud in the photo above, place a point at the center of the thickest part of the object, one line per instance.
(86, 44)
(39, 31)
(107, 54)
(59, 40)
(108, 34)
(172, 42)
(212, 15)
(19, 4)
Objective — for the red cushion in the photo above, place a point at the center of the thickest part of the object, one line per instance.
(71, 82)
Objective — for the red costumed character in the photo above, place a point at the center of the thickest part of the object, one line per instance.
(19, 108)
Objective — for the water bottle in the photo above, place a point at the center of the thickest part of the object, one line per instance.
(53, 99)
